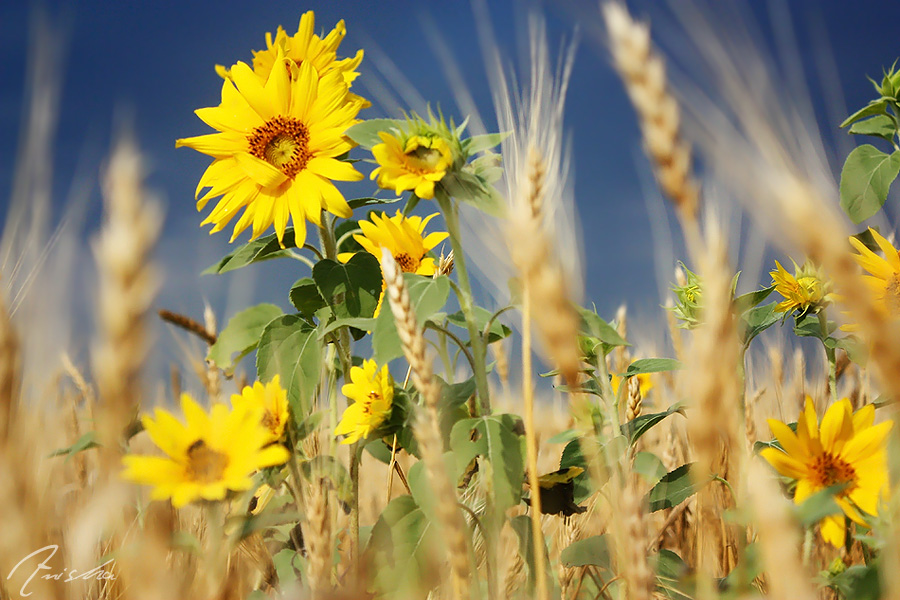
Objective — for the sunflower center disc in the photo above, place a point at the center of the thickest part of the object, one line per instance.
(282, 142)
(830, 470)
(407, 263)
(205, 464)
(892, 294)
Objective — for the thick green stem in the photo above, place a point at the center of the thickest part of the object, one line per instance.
(451, 216)
(830, 353)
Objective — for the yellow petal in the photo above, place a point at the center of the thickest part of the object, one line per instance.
(784, 464)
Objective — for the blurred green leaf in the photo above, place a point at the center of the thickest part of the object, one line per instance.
(652, 365)
(745, 302)
(241, 335)
(366, 133)
(592, 551)
(635, 428)
(674, 488)
(85, 442)
(648, 466)
(427, 297)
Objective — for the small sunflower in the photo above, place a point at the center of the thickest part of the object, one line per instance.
(372, 392)
(416, 157)
(405, 239)
(806, 290)
(884, 277)
(272, 398)
(846, 449)
(209, 455)
(305, 46)
(277, 149)
(644, 379)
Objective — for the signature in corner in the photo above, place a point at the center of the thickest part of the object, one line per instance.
(98, 573)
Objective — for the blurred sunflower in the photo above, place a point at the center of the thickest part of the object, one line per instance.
(305, 46)
(372, 392)
(405, 239)
(884, 278)
(806, 290)
(846, 449)
(644, 379)
(272, 398)
(275, 155)
(209, 455)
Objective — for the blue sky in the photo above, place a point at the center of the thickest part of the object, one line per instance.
(151, 63)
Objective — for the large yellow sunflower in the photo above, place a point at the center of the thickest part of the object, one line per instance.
(846, 449)
(884, 278)
(207, 456)
(805, 290)
(372, 392)
(411, 162)
(272, 399)
(277, 147)
(305, 46)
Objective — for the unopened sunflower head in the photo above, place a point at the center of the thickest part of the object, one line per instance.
(845, 449)
(806, 290)
(372, 393)
(272, 399)
(417, 155)
(211, 454)
(688, 299)
(304, 46)
(278, 147)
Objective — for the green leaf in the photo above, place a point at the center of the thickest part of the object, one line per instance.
(366, 133)
(758, 319)
(875, 107)
(856, 350)
(85, 442)
(289, 347)
(350, 289)
(471, 189)
(427, 297)
(480, 143)
(564, 437)
(648, 466)
(674, 488)
(745, 302)
(596, 327)
(859, 582)
(308, 425)
(363, 202)
(401, 547)
(498, 330)
(634, 429)
(808, 325)
(330, 468)
(866, 180)
(819, 505)
(652, 365)
(572, 457)
(671, 575)
(241, 335)
(497, 439)
(879, 126)
(305, 297)
(521, 525)
(592, 551)
(260, 249)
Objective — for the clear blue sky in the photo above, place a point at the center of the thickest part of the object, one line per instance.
(154, 62)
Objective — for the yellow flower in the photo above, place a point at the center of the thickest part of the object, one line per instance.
(275, 155)
(272, 398)
(405, 239)
(414, 162)
(644, 379)
(846, 449)
(372, 392)
(805, 290)
(884, 278)
(207, 456)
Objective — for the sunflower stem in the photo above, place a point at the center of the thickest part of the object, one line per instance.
(830, 353)
(464, 293)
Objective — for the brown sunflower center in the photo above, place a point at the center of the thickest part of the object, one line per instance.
(830, 470)
(892, 294)
(282, 142)
(270, 421)
(205, 464)
(407, 263)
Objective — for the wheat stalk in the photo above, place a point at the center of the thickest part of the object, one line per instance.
(633, 406)
(427, 429)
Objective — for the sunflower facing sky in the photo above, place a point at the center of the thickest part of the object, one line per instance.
(372, 392)
(806, 290)
(272, 399)
(275, 153)
(846, 449)
(207, 456)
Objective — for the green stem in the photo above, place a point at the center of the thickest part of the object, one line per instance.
(830, 353)
(451, 216)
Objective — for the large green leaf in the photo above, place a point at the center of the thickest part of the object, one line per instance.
(875, 107)
(497, 438)
(521, 525)
(289, 347)
(350, 289)
(260, 249)
(401, 548)
(480, 143)
(745, 302)
(634, 429)
(674, 488)
(652, 365)
(592, 551)
(758, 319)
(366, 133)
(427, 297)
(866, 180)
(878, 126)
(241, 335)
(305, 297)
